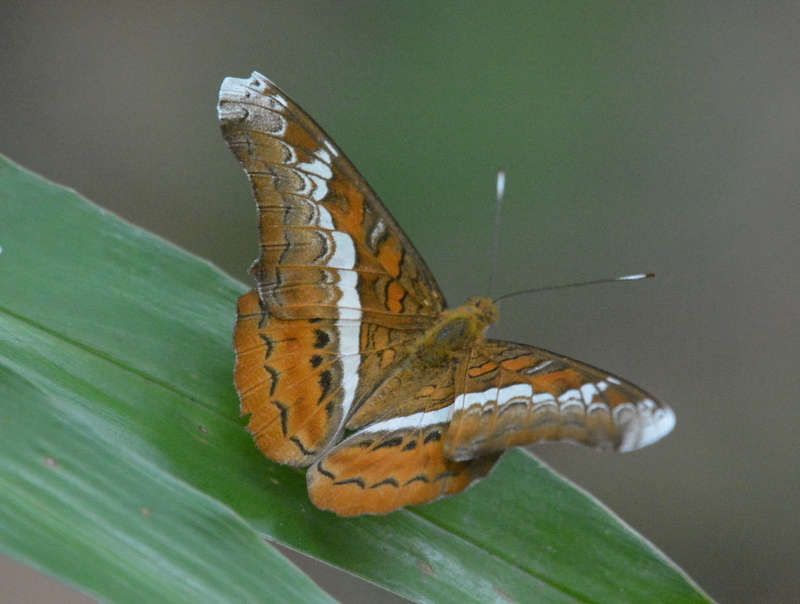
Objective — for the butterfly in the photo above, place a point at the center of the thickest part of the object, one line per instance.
(347, 357)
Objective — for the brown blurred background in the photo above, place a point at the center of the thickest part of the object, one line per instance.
(638, 136)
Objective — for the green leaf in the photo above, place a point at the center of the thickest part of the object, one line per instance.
(88, 487)
(127, 472)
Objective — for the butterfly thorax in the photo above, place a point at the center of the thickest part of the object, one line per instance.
(456, 331)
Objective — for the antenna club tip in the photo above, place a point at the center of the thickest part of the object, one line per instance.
(635, 277)
(501, 183)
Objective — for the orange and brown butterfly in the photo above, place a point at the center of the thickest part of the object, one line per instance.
(347, 357)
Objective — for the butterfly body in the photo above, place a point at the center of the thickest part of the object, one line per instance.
(348, 360)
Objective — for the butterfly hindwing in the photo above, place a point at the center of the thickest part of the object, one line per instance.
(287, 374)
(396, 458)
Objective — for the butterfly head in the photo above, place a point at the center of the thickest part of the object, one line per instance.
(483, 309)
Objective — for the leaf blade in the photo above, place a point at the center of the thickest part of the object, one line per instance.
(142, 330)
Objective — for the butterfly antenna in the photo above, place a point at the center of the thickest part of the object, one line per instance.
(569, 285)
(498, 212)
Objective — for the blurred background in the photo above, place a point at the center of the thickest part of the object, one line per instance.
(637, 136)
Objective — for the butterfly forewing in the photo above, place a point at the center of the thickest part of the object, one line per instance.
(327, 241)
(340, 289)
(510, 395)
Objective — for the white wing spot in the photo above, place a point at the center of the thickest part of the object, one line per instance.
(544, 399)
(344, 254)
(500, 396)
(324, 218)
(317, 167)
(514, 392)
(349, 298)
(324, 156)
(349, 309)
(331, 148)
(376, 234)
(319, 188)
(538, 367)
(416, 420)
(569, 397)
(588, 392)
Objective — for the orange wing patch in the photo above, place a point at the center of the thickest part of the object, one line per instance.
(286, 375)
(376, 473)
